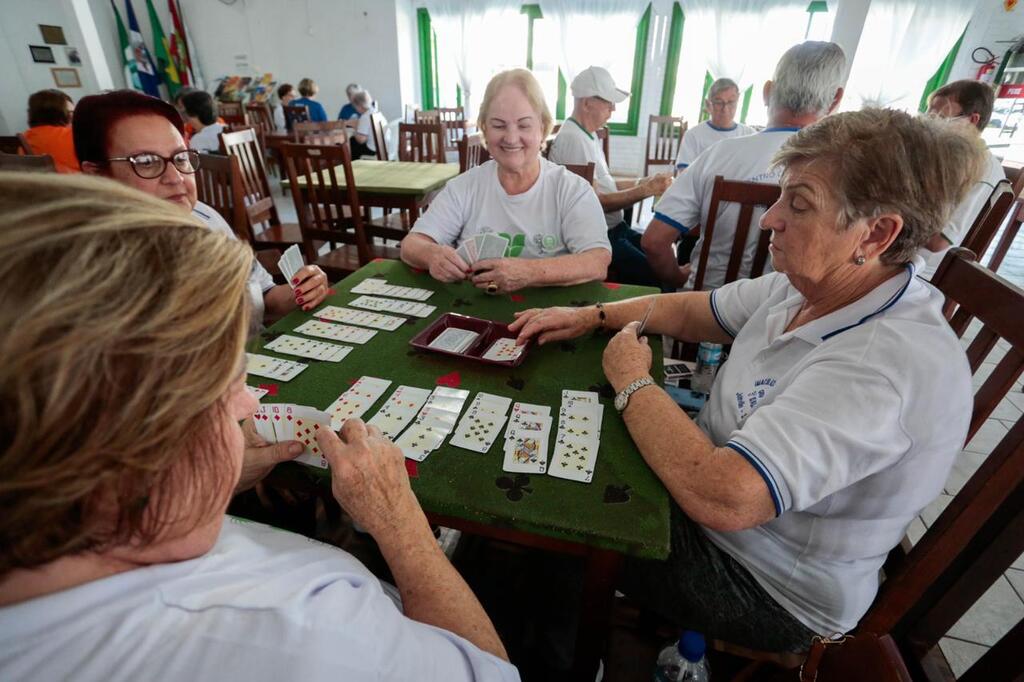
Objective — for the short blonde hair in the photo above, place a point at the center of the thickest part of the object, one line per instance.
(886, 161)
(528, 85)
(308, 87)
(122, 324)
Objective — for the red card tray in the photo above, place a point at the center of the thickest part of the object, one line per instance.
(488, 331)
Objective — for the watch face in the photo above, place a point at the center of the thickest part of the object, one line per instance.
(620, 402)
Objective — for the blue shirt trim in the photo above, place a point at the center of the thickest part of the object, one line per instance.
(670, 221)
(681, 165)
(885, 306)
(721, 130)
(718, 317)
(782, 129)
(761, 469)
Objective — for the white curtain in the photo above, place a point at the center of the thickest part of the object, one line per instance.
(479, 38)
(902, 45)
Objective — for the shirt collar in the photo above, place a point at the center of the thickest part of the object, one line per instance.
(580, 125)
(782, 129)
(721, 130)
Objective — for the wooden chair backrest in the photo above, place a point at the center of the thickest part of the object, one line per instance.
(427, 116)
(30, 163)
(748, 195)
(421, 142)
(585, 171)
(664, 135)
(604, 135)
(981, 532)
(329, 187)
(320, 132)
(1010, 228)
(294, 113)
(259, 202)
(472, 152)
(231, 112)
(219, 185)
(14, 144)
(989, 219)
(259, 116)
(378, 128)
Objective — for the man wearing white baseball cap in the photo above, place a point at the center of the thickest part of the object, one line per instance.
(595, 96)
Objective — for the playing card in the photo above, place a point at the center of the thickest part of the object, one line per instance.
(257, 392)
(526, 425)
(354, 402)
(528, 408)
(261, 419)
(399, 409)
(467, 252)
(377, 303)
(526, 454)
(573, 459)
(583, 396)
(420, 439)
(307, 421)
(335, 332)
(272, 368)
(380, 287)
(478, 430)
(447, 399)
(361, 318)
(503, 350)
(290, 262)
(491, 403)
(308, 348)
(491, 245)
(454, 340)
(585, 417)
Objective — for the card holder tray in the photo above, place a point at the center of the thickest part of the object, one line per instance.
(488, 330)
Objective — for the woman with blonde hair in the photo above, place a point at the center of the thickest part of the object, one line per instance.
(122, 392)
(551, 217)
(309, 89)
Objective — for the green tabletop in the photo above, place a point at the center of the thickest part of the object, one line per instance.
(625, 508)
(395, 177)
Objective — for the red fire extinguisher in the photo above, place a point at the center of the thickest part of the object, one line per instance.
(988, 61)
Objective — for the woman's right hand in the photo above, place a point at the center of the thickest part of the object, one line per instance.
(448, 266)
(553, 324)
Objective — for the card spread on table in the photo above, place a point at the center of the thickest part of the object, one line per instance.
(433, 423)
(526, 443)
(578, 438)
(354, 402)
(335, 332)
(272, 368)
(391, 305)
(380, 287)
(454, 340)
(283, 421)
(308, 348)
(503, 350)
(290, 263)
(482, 247)
(361, 318)
(482, 423)
(257, 392)
(399, 409)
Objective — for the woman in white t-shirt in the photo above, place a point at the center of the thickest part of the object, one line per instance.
(550, 217)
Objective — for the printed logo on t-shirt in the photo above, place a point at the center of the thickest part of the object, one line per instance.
(516, 243)
(747, 402)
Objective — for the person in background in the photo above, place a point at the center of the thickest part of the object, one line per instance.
(806, 86)
(362, 141)
(137, 140)
(971, 102)
(723, 97)
(201, 114)
(550, 216)
(123, 443)
(285, 96)
(308, 89)
(595, 96)
(349, 111)
(49, 128)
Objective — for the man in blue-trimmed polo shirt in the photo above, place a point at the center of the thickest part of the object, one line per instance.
(723, 96)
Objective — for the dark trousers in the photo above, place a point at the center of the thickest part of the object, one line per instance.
(360, 149)
(629, 262)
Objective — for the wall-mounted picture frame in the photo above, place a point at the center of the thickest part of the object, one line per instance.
(53, 35)
(66, 78)
(42, 54)
(74, 57)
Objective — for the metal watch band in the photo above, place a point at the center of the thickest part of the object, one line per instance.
(623, 397)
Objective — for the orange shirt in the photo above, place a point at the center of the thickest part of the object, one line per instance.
(58, 143)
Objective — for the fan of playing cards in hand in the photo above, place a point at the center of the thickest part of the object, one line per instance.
(482, 247)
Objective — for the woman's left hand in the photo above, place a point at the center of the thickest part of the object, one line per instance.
(626, 358)
(260, 456)
(310, 287)
(507, 274)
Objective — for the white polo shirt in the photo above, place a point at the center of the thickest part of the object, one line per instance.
(207, 139)
(686, 202)
(365, 127)
(260, 281)
(853, 421)
(559, 215)
(262, 604)
(576, 145)
(965, 214)
(702, 136)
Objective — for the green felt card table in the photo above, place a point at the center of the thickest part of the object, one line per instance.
(624, 510)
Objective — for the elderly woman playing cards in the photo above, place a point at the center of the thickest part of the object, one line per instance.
(121, 396)
(841, 408)
(518, 220)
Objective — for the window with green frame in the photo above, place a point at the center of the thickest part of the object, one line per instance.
(434, 92)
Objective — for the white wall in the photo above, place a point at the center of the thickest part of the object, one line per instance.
(990, 25)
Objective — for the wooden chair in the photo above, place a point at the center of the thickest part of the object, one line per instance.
(421, 142)
(378, 126)
(219, 185)
(260, 117)
(748, 195)
(453, 120)
(989, 219)
(329, 210)
(604, 135)
(14, 144)
(295, 113)
(585, 171)
(320, 132)
(27, 163)
(232, 113)
(1010, 229)
(472, 152)
(664, 135)
(265, 227)
(428, 116)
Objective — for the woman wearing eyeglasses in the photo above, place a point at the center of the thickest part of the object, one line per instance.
(138, 140)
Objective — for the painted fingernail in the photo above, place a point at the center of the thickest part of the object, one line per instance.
(295, 280)
(299, 300)
(306, 307)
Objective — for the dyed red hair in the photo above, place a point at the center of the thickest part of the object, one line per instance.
(96, 115)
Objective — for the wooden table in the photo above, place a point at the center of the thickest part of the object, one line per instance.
(625, 510)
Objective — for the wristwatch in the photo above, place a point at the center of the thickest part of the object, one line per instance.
(622, 399)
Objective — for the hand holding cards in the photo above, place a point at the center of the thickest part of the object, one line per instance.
(482, 247)
(279, 422)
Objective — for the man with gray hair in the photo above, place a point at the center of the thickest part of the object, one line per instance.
(349, 111)
(723, 96)
(806, 86)
(361, 140)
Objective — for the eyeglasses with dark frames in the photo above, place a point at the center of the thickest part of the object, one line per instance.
(149, 165)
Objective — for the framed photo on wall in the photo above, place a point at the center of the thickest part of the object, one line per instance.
(66, 78)
(53, 35)
(42, 54)
(74, 58)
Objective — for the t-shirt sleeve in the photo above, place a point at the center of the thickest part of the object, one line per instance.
(447, 216)
(733, 304)
(279, 117)
(363, 127)
(687, 151)
(569, 149)
(680, 207)
(837, 423)
(583, 224)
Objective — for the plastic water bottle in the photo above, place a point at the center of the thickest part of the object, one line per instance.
(709, 357)
(683, 660)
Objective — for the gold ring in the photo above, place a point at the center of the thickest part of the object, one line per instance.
(492, 288)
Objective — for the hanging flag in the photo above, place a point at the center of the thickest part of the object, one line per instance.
(164, 66)
(145, 68)
(179, 49)
(131, 76)
(190, 54)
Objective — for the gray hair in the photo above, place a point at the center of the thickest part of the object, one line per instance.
(353, 87)
(362, 98)
(807, 78)
(887, 161)
(721, 85)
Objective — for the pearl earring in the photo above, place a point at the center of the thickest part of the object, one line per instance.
(860, 260)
